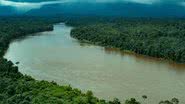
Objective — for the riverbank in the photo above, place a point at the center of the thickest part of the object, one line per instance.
(16, 88)
(151, 38)
(19, 27)
(19, 88)
(107, 72)
(122, 51)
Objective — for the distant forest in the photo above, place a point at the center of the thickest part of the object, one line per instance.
(16, 88)
(161, 38)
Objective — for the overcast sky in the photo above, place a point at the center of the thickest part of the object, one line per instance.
(25, 5)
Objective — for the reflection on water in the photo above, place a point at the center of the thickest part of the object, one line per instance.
(107, 72)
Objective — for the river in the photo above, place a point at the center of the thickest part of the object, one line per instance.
(109, 73)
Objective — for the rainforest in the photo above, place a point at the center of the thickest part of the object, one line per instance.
(92, 51)
(153, 37)
(16, 88)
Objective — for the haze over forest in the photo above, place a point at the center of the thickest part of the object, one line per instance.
(126, 8)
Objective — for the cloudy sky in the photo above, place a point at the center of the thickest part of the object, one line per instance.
(31, 4)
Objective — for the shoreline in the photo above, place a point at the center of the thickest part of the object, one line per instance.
(126, 51)
(61, 93)
(130, 52)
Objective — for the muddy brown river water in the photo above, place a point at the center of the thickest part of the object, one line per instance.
(109, 73)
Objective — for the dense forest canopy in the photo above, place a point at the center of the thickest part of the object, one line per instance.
(16, 88)
(153, 37)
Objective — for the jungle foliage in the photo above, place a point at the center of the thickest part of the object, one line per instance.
(16, 88)
(161, 38)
